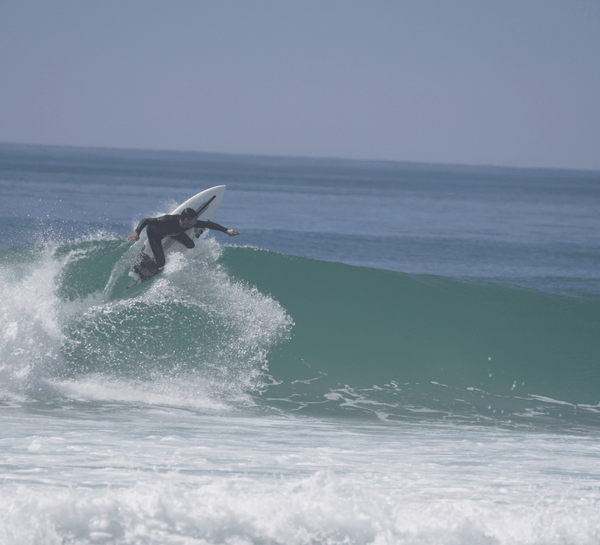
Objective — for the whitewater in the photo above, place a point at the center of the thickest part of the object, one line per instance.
(390, 353)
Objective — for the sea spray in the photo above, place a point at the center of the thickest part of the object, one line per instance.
(194, 334)
(31, 315)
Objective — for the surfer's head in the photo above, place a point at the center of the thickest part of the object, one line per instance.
(187, 219)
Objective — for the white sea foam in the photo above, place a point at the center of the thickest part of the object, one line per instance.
(177, 477)
(183, 391)
(323, 508)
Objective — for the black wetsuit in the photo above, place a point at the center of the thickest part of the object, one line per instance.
(165, 226)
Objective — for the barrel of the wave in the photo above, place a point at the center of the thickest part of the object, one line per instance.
(206, 203)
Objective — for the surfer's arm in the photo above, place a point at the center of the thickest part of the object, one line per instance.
(216, 227)
(136, 235)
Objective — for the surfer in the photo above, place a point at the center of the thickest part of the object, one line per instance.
(174, 226)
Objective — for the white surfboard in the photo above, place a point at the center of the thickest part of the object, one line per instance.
(206, 202)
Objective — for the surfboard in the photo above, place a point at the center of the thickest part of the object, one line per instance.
(206, 203)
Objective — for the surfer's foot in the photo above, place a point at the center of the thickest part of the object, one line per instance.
(147, 267)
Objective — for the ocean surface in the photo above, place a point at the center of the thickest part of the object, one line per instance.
(390, 353)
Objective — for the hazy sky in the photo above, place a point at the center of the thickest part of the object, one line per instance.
(500, 82)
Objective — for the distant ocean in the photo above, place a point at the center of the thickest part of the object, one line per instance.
(390, 353)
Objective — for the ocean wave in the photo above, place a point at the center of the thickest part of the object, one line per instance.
(228, 325)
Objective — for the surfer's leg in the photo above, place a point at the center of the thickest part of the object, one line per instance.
(185, 240)
(155, 240)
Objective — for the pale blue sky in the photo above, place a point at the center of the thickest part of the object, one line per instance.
(502, 82)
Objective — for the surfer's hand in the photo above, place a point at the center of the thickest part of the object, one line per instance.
(133, 237)
(232, 232)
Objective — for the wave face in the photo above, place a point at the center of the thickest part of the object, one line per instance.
(230, 327)
(403, 346)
